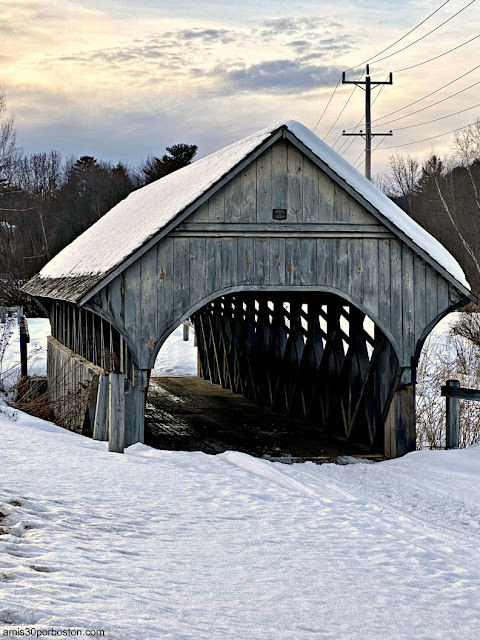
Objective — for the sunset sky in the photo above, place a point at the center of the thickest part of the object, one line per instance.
(120, 80)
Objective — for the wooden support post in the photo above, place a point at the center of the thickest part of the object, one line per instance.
(3, 315)
(116, 430)
(24, 340)
(135, 408)
(100, 427)
(400, 436)
(185, 331)
(452, 438)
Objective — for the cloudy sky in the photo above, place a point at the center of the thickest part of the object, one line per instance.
(120, 80)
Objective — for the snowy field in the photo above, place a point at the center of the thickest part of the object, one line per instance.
(156, 544)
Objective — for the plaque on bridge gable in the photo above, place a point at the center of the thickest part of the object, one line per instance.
(279, 214)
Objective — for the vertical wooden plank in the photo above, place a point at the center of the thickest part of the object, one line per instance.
(358, 215)
(355, 268)
(442, 293)
(419, 296)
(342, 204)
(133, 276)
(431, 294)
(400, 423)
(245, 257)
(294, 184)
(100, 426)
(115, 298)
(165, 284)
(396, 309)
(279, 175)
(261, 261)
(326, 198)
(229, 262)
(384, 282)
(199, 215)
(408, 302)
(324, 277)
(198, 269)
(310, 191)
(116, 431)
(308, 270)
(214, 264)
(264, 186)
(277, 261)
(370, 273)
(340, 265)
(181, 276)
(233, 200)
(148, 304)
(293, 261)
(216, 206)
(248, 204)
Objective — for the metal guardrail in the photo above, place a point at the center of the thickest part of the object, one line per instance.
(453, 393)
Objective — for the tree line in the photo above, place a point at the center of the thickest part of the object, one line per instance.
(46, 200)
(443, 196)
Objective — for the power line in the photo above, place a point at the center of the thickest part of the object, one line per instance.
(343, 108)
(428, 95)
(430, 105)
(323, 112)
(400, 39)
(424, 36)
(419, 64)
(431, 137)
(437, 119)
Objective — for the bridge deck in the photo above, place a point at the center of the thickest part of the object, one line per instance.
(191, 414)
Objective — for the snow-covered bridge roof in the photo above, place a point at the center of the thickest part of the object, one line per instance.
(126, 228)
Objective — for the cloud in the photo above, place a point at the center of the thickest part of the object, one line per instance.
(215, 36)
(281, 76)
(307, 26)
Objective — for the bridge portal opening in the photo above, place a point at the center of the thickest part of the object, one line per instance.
(310, 364)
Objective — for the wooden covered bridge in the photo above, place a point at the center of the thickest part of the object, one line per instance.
(310, 291)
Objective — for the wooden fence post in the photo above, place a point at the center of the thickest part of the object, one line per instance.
(452, 437)
(116, 430)
(100, 426)
(185, 331)
(24, 340)
(3, 315)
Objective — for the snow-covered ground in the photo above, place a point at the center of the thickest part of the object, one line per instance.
(156, 544)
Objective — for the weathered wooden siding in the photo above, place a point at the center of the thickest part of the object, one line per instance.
(328, 242)
(72, 387)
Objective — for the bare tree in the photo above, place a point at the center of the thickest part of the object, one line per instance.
(403, 178)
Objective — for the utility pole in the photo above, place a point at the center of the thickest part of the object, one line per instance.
(368, 135)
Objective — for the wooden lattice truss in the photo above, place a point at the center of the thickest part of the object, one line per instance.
(312, 356)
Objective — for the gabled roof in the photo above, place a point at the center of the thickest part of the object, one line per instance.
(131, 224)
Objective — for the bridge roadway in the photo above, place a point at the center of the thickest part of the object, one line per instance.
(186, 413)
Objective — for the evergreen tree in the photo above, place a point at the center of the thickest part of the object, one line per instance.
(178, 156)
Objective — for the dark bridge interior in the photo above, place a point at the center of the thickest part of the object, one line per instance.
(322, 371)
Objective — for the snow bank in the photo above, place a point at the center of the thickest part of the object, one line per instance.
(146, 211)
(156, 544)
